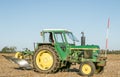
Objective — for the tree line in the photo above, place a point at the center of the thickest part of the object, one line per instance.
(110, 51)
(7, 49)
(113, 52)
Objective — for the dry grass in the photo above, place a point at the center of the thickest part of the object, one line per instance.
(8, 69)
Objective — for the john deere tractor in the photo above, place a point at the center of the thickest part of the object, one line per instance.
(58, 52)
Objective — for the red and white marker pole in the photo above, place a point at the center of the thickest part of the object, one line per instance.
(108, 25)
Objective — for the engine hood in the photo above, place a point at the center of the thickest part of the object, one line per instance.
(85, 47)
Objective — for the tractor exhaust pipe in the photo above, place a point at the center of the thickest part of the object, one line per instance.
(82, 39)
(34, 46)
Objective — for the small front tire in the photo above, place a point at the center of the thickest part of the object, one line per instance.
(87, 68)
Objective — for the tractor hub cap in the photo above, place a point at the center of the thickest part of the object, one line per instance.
(86, 69)
(44, 60)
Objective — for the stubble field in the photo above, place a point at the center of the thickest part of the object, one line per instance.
(9, 69)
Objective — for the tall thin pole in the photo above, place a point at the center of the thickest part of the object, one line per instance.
(108, 25)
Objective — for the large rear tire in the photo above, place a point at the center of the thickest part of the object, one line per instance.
(46, 60)
(87, 68)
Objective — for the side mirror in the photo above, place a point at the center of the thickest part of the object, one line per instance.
(41, 33)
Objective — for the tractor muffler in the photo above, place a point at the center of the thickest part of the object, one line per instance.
(82, 39)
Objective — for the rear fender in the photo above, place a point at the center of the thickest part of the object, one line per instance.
(39, 44)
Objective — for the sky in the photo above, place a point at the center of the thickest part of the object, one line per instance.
(21, 21)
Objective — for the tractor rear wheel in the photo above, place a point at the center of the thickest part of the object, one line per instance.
(87, 68)
(46, 60)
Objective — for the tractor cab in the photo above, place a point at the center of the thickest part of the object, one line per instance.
(61, 39)
(58, 36)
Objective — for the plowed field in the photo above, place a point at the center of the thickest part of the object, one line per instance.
(9, 69)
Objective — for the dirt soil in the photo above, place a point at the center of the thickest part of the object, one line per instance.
(9, 69)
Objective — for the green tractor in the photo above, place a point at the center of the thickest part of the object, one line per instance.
(58, 52)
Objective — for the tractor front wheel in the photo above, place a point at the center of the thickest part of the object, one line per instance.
(87, 68)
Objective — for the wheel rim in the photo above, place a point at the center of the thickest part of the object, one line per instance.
(86, 69)
(44, 60)
(19, 55)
